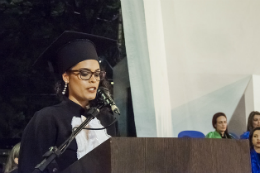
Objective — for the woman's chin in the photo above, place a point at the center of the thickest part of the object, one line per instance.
(91, 97)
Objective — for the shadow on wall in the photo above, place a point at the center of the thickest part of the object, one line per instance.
(237, 123)
(131, 130)
(123, 99)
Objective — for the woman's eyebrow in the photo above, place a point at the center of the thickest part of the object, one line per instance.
(89, 69)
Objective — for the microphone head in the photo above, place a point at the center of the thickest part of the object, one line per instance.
(103, 96)
(104, 89)
(105, 99)
(115, 109)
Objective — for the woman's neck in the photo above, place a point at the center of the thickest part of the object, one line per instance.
(83, 104)
(257, 149)
(221, 133)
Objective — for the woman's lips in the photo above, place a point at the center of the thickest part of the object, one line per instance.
(91, 89)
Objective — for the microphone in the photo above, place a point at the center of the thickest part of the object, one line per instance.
(106, 98)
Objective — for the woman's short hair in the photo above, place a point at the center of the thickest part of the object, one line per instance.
(251, 136)
(250, 120)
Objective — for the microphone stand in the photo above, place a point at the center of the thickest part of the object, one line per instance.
(54, 152)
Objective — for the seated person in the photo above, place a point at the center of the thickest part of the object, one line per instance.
(12, 160)
(219, 123)
(254, 140)
(253, 122)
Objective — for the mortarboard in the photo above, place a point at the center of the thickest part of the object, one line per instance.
(72, 47)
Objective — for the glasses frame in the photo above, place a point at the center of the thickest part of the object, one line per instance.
(80, 73)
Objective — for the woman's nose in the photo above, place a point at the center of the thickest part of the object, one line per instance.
(93, 79)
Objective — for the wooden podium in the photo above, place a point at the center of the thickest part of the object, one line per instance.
(166, 155)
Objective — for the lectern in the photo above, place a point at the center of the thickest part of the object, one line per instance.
(166, 155)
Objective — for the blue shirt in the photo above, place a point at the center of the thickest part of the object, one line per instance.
(255, 161)
(245, 135)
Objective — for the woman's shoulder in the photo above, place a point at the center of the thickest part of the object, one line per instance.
(46, 114)
(254, 160)
(213, 135)
(245, 135)
(14, 171)
(44, 118)
(105, 116)
(49, 110)
(210, 135)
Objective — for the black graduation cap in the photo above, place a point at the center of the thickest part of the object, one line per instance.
(72, 47)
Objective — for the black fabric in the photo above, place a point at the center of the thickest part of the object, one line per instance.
(75, 52)
(14, 171)
(226, 136)
(51, 126)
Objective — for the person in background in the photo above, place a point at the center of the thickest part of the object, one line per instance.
(254, 140)
(219, 123)
(12, 160)
(252, 122)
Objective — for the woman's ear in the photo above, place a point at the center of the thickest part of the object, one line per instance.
(66, 77)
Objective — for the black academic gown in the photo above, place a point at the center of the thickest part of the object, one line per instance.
(51, 126)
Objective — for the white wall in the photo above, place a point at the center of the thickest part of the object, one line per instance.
(210, 49)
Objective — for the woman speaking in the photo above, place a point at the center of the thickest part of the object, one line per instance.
(74, 58)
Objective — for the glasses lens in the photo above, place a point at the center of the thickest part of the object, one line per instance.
(86, 75)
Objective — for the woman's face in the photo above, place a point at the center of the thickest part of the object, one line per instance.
(256, 121)
(221, 124)
(256, 139)
(82, 91)
(16, 160)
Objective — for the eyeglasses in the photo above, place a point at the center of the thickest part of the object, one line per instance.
(87, 74)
